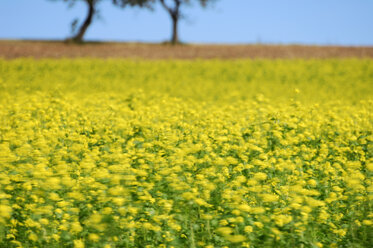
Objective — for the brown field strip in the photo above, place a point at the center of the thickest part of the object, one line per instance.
(55, 49)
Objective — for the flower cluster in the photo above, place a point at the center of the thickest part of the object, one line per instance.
(148, 169)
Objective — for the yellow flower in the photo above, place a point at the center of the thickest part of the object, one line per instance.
(5, 211)
(258, 224)
(236, 212)
(44, 221)
(257, 210)
(248, 229)
(269, 197)
(306, 209)
(320, 245)
(276, 232)
(367, 222)
(314, 203)
(235, 238)
(312, 182)
(78, 243)
(282, 220)
(95, 218)
(224, 230)
(201, 202)
(206, 217)
(244, 208)
(260, 176)
(75, 227)
(223, 222)
(56, 237)
(93, 237)
(53, 183)
(340, 232)
(33, 237)
(107, 210)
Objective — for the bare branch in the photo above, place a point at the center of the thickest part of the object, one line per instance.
(166, 7)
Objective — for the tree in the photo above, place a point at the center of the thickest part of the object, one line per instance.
(132, 3)
(92, 11)
(91, 14)
(175, 14)
(92, 7)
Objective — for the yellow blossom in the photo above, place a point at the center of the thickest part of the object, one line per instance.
(78, 243)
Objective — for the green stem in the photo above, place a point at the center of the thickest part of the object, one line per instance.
(192, 243)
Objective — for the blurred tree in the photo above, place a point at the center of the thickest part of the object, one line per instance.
(132, 3)
(92, 6)
(92, 11)
(91, 14)
(173, 9)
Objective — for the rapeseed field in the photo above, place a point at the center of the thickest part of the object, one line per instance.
(206, 153)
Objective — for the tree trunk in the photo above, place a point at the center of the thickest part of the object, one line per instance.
(82, 30)
(175, 33)
(175, 15)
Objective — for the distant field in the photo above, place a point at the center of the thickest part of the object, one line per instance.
(318, 81)
(179, 153)
(38, 49)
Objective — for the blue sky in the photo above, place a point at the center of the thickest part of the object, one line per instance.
(321, 22)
